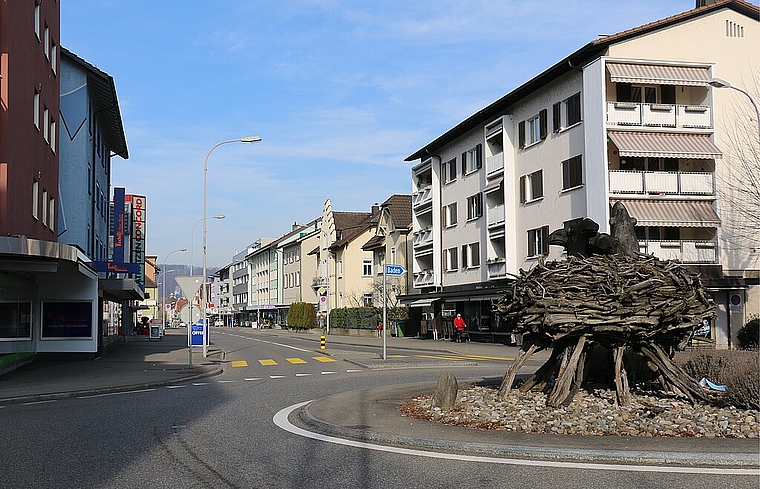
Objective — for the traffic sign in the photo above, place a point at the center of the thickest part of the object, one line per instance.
(394, 270)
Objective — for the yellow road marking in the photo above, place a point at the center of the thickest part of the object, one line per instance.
(268, 362)
(239, 363)
(397, 356)
(295, 361)
(483, 357)
(323, 359)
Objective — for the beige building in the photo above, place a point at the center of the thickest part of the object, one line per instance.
(634, 117)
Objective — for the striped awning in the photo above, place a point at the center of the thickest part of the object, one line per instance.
(493, 185)
(665, 145)
(658, 74)
(675, 213)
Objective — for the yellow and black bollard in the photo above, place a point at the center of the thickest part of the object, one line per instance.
(322, 342)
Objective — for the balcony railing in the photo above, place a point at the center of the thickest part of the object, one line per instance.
(424, 196)
(658, 115)
(495, 214)
(424, 278)
(422, 238)
(497, 269)
(683, 251)
(319, 282)
(661, 182)
(494, 163)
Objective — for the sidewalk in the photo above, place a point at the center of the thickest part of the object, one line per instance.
(139, 363)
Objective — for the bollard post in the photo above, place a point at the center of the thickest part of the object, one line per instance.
(322, 342)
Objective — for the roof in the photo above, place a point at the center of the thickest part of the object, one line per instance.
(105, 104)
(399, 205)
(580, 57)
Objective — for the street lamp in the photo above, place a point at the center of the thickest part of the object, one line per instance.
(163, 289)
(192, 240)
(247, 139)
(719, 83)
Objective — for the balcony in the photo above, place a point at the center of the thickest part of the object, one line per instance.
(494, 163)
(319, 282)
(497, 268)
(659, 115)
(425, 278)
(422, 197)
(495, 215)
(683, 251)
(661, 182)
(423, 238)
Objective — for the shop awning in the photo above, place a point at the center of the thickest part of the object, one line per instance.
(658, 75)
(664, 145)
(676, 213)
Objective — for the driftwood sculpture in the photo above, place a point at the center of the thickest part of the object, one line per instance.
(607, 294)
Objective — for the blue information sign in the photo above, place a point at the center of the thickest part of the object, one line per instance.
(196, 333)
(394, 270)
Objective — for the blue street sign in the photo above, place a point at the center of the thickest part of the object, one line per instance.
(394, 270)
(196, 333)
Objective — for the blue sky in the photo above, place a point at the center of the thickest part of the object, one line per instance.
(340, 91)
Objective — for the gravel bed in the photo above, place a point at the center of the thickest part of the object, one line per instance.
(590, 414)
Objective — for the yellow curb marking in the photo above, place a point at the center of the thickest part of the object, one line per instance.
(323, 359)
(239, 363)
(296, 361)
(479, 357)
(441, 357)
(268, 362)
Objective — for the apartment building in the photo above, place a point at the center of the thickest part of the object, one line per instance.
(633, 117)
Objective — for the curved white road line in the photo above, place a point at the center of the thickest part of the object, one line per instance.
(281, 420)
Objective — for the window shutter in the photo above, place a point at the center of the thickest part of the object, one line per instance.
(443, 216)
(544, 122)
(464, 163)
(522, 189)
(557, 116)
(445, 260)
(545, 240)
(480, 204)
(479, 156)
(521, 132)
(464, 256)
(537, 184)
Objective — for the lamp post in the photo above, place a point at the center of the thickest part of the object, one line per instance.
(163, 288)
(719, 83)
(247, 139)
(192, 240)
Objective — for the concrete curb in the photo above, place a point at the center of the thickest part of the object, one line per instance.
(108, 390)
(526, 451)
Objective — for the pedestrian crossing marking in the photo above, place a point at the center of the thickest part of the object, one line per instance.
(267, 362)
(296, 361)
(239, 363)
(323, 359)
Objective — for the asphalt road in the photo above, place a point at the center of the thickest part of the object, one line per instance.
(219, 433)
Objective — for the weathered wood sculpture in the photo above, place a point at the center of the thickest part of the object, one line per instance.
(606, 293)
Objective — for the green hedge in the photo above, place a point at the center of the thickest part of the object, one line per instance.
(354, 318)
(302, 315)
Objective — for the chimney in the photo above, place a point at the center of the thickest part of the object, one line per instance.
(375, 208)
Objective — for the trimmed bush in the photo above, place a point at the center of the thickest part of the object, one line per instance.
(749, 334)
(302, 315)
(354, 318)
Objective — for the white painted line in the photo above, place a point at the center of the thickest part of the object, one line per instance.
(302, 375)
(281, 420)
(352, 370)
(200, 383)
(38, 402)
(176, 386)
(276, 376)
(328, 373)
(115, 394)
(252, 378)
(226, 381)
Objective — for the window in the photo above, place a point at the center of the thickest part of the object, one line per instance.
(47, 42)
(567, 112)
(37, 21)
(54, 57)
(572, 173)
(472, 160)
(51, 211)
(367, 267)
(471, 255)
(340, 268)
(46, 124)
(36, 199)
(449, 171)
(474, 206)
(53, 129)
(532, 130)
(538, 241)
(651, 94)
(44, 207)
(531, 186)
(36, 116)
(450, 215)
(450, 260)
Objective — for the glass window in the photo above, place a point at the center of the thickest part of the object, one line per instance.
(572, 172)
(367, 267)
